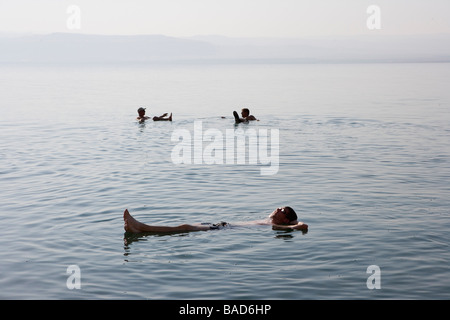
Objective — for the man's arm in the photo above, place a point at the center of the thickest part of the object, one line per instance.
(298, 226)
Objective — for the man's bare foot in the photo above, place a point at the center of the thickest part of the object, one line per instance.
(170, 117)
(130, 223)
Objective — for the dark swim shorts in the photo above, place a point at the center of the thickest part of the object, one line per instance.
(216, 226)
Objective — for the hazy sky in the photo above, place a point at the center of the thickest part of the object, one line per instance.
(234, 18)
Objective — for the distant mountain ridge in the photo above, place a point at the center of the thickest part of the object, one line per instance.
(66, 47)
(79, 48)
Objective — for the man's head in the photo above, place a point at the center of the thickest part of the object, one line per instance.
(141, 112)
(284, 216)
(245, 112)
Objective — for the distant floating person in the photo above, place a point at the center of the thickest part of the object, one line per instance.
(142, 117)
(246, 116)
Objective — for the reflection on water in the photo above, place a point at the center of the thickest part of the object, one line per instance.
(129, 237)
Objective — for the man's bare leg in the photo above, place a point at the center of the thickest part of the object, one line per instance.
(134, 226)
(236, 117)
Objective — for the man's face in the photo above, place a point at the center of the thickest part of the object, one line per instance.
(278, 216)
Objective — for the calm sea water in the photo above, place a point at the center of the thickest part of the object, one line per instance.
(364, 159)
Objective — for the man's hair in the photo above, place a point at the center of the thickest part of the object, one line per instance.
(290, 214)
(246, 110)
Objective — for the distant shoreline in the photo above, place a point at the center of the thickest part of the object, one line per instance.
(83, 48)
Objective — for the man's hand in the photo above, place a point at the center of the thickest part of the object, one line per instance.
(301, 226)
